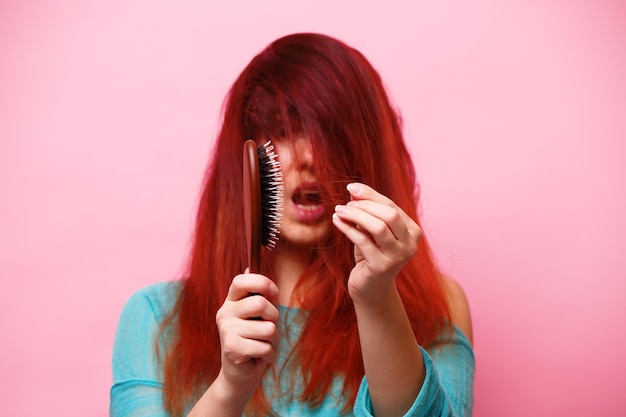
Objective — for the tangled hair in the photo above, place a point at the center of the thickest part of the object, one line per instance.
(318, 86)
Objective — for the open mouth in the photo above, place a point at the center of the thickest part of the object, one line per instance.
(307, 202)
(306, 197)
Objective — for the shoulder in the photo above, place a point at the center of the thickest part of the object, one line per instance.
(155, 299)
(143, 313)
(459, 306)
(137, 331)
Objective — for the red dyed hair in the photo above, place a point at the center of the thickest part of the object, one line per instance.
(316, 85)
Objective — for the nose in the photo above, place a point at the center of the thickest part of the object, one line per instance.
(304, 152)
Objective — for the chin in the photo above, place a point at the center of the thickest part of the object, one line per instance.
(304, 236)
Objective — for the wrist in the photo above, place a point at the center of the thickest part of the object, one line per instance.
(220, 399)
(377, 301)
(232, 393)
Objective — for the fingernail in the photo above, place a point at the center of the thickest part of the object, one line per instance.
(341, 209)
(354, 188)
(274, 289)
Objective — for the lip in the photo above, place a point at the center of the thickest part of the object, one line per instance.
(306, 213)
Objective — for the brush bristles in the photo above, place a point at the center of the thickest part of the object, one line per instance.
(271, 194)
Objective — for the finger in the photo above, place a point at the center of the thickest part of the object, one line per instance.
(361, 240)
(241, 350)
(371, 201)
(359, 191)
(245, 284)
(261, 330)
(377, 228)
(257, 307)
(391, 217)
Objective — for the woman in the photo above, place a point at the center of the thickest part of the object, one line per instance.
(351, 315)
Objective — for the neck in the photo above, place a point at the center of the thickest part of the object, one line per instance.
(288, 264)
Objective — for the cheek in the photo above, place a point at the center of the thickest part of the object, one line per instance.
(284, 155)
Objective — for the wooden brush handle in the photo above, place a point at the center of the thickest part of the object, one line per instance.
(252, 204)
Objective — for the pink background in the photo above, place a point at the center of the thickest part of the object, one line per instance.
(515, 113)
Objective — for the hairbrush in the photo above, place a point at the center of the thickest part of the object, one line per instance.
(262, 199)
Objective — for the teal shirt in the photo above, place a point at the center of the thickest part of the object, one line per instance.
(137, 383)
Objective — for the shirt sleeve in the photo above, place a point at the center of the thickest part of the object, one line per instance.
(448, 389)
(137, 385)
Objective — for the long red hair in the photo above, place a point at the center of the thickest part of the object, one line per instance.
(319, 86)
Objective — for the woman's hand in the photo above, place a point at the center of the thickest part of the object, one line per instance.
(248, 334)
(384, 239)
(248, 338)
